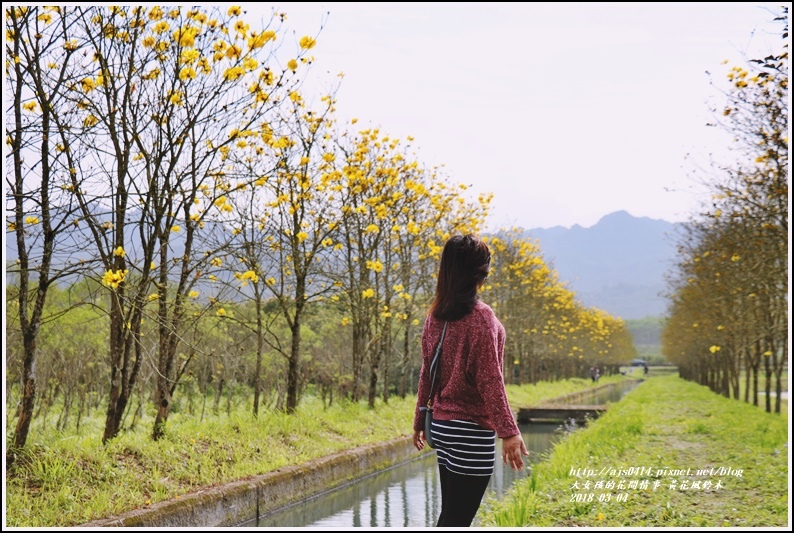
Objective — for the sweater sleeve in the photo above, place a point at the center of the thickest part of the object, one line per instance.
(486, 367)
(424, 386)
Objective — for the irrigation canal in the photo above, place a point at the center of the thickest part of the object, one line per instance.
(409, 494)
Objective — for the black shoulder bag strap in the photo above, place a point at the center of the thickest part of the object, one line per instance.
(434, 365)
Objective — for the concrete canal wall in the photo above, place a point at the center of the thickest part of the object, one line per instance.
(234, 503)
(240, 501)
(575, 398)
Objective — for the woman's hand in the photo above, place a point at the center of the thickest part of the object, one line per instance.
(419, 440)
(512, 450)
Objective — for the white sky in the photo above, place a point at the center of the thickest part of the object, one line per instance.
(565, 111)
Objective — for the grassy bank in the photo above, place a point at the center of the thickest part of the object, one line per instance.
(69, 479)
(665, 430)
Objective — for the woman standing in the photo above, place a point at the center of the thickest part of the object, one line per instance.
(470, 407)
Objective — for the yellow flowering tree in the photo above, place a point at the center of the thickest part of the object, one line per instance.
(552, 336)
(145, 133)
(733, 268)
(373, 191)
(41, 210)
(296, 182)
(433, 209)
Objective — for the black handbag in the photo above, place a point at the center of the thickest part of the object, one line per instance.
(434, 365)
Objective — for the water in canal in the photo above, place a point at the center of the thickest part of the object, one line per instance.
(409, 494)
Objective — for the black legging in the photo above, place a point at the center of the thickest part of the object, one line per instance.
(460, 497)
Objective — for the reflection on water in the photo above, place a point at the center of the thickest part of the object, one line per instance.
(409, 495)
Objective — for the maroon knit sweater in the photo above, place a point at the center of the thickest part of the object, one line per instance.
(471, 384)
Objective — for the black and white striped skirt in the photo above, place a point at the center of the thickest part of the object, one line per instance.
(464, 447)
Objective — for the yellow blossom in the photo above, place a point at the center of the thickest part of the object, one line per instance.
(234, 11)
(186, 37)
(233, 73)
(307, 42)
(161, 27)
(221, 312)
(119, 252)
(345, 321)
(241, 27)
(189, 56)
(372, 228)
(233, 52)
(302, 236)
(176, 229)
(193, 294)
(376, 265)
(292, 65)
(90, 121)
(113, 279)
(153, 297)
(187, 73)
(714, 349)
(368, 293)
(87, 85)
(217, 261)
(250, 274)
(31, 220)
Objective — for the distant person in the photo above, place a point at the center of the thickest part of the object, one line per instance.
(595, 374)
(470, 407)
(645, 369)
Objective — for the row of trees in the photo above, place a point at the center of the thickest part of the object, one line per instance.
(195, 221)
(730, 288)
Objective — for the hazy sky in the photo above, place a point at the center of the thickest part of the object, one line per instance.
(565, 111)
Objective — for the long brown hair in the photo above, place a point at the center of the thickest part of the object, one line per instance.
(465, 262)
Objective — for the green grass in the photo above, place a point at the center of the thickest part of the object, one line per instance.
(64, 479)
(665, 423)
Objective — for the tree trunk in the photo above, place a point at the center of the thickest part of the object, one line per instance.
(28, 392)
(406, 359)
(259, 348)
(293, 371)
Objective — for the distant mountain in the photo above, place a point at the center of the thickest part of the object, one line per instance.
(617, 265)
